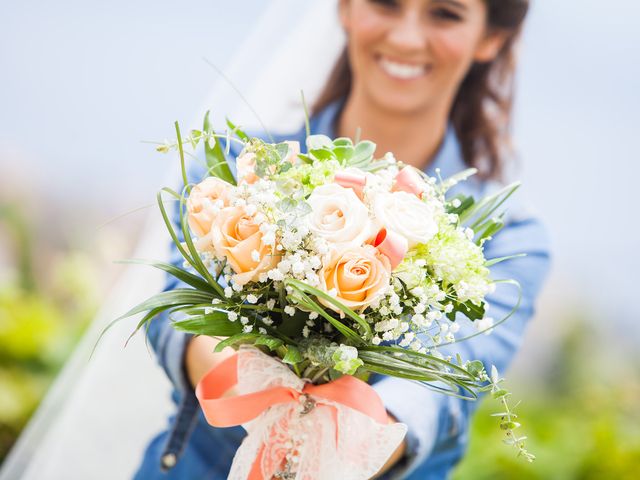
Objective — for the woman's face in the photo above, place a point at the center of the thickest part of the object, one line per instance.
(408, 55)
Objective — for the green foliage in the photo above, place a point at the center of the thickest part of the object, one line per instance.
(38, 330)
(216, 159)
(582, 421)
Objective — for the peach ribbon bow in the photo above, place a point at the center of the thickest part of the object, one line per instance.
(297, 429)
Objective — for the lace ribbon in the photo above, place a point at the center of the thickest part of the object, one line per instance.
(297, 430)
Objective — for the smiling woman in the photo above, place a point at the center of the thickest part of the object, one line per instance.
(430, 81)
(426, 61)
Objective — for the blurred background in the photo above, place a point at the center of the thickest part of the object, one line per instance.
(85, 83)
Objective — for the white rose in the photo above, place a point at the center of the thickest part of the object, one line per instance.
(339, 216)
(406, 215)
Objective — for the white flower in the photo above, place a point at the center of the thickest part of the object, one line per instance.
(485, 325)
(406, 215)
(275, 274)
(244, 320)
(297, 268)
(247, 328)
(339, 216)
(289, 310)
(271, 303)
(251, 298)
(232, 316)
(228, 292)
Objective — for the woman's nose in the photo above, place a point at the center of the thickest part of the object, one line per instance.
(408, 33)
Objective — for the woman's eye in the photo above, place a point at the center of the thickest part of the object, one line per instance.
(445, 14)
(386, 3)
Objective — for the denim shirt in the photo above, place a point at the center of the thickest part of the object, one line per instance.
(438, 424)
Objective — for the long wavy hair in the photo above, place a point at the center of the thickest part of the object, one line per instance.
(481, 111)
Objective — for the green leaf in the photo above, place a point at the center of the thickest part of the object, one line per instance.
(178, 296)
(475, 367)
(305, 158)
(424, 357)
(169, 224)
(183, 167)
(493, 261)
(197, 263)
(283, 150)
(461, 176)
(182, 275)
(293, 355)
(271, 343)
(235, 339)
(241, 135)
(468, 309)
(304, 287)
(466, 202)
(214, 324)
(363, 152)
(287, 204)
(215, 157)
(322, 154)
(318, 141)
(344, 153)
(488, 205)
(488, 229)
(343, 142)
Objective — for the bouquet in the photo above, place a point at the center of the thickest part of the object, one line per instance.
(323, 268)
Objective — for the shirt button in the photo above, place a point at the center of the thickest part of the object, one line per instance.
(169, 460)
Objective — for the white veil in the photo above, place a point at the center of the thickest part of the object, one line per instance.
(100, 414)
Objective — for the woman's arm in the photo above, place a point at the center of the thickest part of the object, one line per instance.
(438, 424)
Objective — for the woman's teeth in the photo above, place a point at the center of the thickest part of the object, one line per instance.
(403, 71)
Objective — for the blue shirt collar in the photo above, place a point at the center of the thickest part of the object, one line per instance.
(448, 158)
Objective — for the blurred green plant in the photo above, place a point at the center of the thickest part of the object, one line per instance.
(583, 420)
(42, 316)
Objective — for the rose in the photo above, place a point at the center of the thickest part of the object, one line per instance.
(246, 163)
(407, 215)
(339, 216)
(236, 236)
(205, 201)
(355, 276)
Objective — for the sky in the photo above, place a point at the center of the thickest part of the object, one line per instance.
(83, 83)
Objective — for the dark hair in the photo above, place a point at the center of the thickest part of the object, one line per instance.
(481, 111)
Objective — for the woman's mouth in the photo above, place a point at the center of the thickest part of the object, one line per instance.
(402, 70)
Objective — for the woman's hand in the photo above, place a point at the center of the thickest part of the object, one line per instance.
(200, 357)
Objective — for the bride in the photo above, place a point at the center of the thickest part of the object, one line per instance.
(429, 80)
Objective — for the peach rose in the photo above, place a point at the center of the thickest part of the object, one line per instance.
(355, 276)
(237, 237)
(205, 201)
(246, 163)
